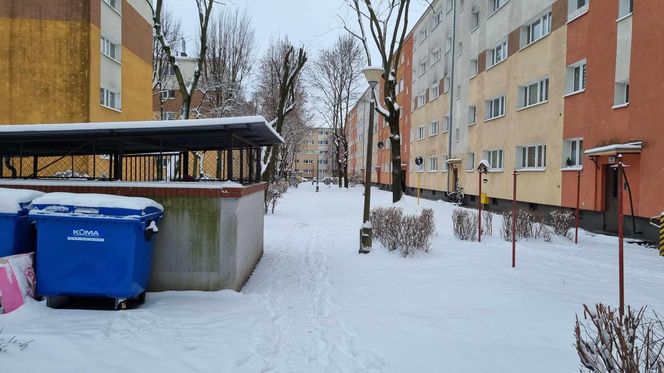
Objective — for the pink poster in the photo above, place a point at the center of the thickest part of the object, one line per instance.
(17, 281)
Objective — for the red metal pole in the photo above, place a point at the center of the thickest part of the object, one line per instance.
(578, 198)
(514, 223)
(621, 234)
(479, 209)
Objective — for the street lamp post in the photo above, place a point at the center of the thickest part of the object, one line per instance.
(372, 74)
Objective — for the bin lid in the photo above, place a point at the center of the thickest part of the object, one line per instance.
(94, 205)
(15, 200)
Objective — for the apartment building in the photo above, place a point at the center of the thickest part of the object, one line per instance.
(404, 78)
(552, 89)
(167, 99)
(75, 61)
(315, 158)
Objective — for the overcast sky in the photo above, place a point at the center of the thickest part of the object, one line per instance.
(312, 23)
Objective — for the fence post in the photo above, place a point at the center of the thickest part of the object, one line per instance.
(578, 199)
(661, 235)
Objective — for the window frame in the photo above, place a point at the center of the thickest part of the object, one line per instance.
(576, 161)
(432, 163)
(504, 53)
(107, 46)
(500, 158)
(582, 65)
(490, 108)
(542, 87)
(110, 99)
(523, 157)
(435, 124)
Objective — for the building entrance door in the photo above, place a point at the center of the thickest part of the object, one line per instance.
(610, 199)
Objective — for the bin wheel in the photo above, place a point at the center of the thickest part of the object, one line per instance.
(141, 298)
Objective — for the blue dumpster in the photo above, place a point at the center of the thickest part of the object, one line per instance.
(94, 245)
(17, 235)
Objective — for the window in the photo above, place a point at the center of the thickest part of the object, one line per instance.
(534, 93)
(495, 5)
(576, 8)
(495, 159)
(576, 77)
(419, 167)
(435, 56)
(433, 128)
(621, 95)
(536, 30)
(323, 142)
(401, 85)
(457, 134)
(449, 5)
(109, 99)
(448, 45)
(446, 124)
(421, 132)
(573, 153)
(459, 48)
(498, 53)
(421, 100)
(470, 161)
(531, 157)
(115, 4)
(472, 115)
(458, 92)
(168, 115)
(422, 67)
(308, 161)
(475, 19)
(424, 32)
(625, 7)
(474, 67)
(437, 18)
(434, 92)
(444, 163)
(495, 108)
(167, 94)
(433, 164)
(446, 84)
(110, 49)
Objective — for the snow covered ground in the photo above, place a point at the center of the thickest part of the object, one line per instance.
(315, 305)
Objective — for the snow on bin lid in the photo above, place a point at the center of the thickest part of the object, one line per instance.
(12, 199)
(97, 201)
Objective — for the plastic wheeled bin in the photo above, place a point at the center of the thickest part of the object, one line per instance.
(94, 245)
(17, 235)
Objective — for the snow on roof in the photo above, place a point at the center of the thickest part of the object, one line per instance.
(453, 160)
(630, 147)
(135, 125)
(484, 163)
(96, 201)
(11, 199)
(123, 184)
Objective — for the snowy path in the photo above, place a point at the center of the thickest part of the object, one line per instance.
(315, 305)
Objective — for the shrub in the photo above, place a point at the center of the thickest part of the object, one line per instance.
(487, 223)
(528, 225)
(562, 221)
(274, 191)
(464, 225)
(607, 341)
(406, 233)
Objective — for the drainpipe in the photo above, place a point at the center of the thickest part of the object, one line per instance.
(453, 51)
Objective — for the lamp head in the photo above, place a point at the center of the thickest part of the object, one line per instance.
(373, 75)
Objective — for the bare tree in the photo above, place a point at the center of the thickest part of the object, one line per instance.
(187, 90)
(388, 25)
(277, 94)
(229, 63)
(335, 77)
(161, 68)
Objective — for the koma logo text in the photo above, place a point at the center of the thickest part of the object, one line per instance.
(85, 233)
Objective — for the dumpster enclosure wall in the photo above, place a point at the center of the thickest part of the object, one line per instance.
(211, 237)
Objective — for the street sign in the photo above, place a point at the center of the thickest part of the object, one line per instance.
(419, 160)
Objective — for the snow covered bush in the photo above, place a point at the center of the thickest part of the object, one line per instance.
(528, 225)
(562, 221)
(487, 223)
(464, 224)
(273, 193)
(398, 231)
(607, 341)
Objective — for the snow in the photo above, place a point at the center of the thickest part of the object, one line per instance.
(315, 305)
(91, 200)
(12, 199)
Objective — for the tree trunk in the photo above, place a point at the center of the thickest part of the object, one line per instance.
(395, 150)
